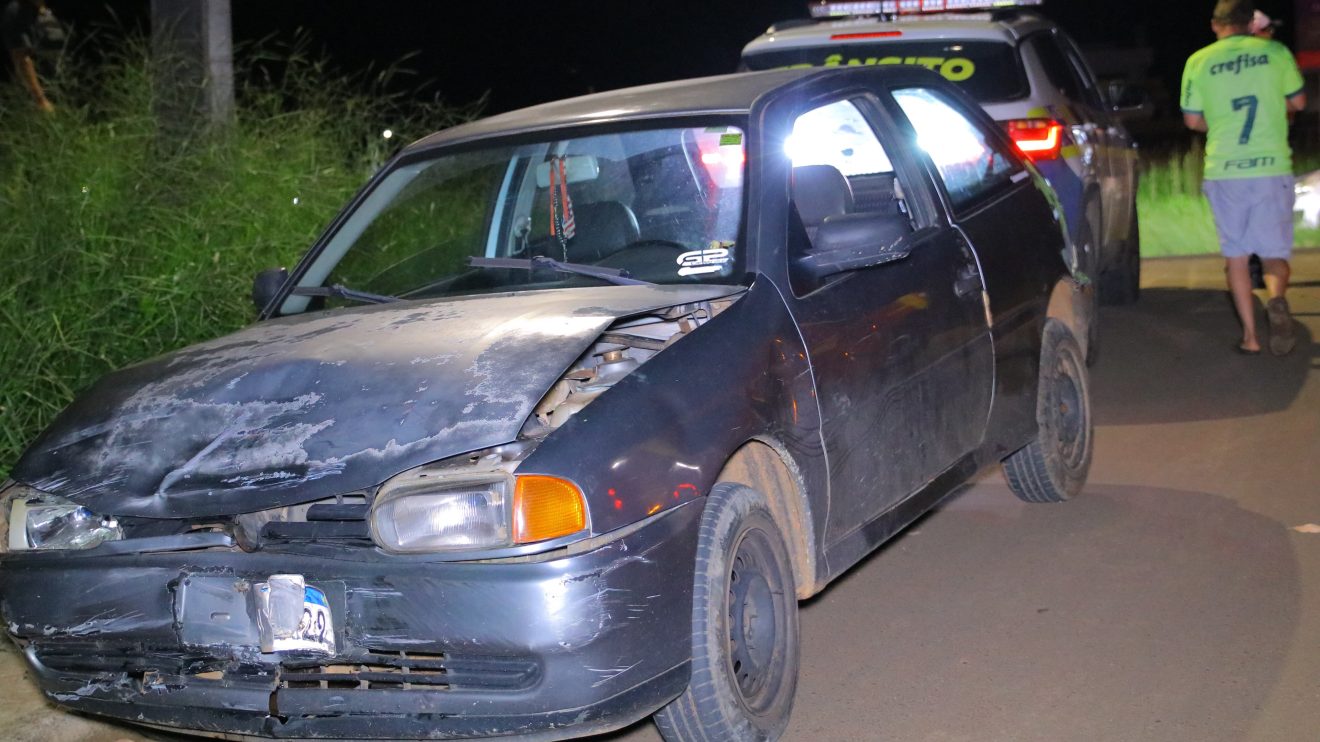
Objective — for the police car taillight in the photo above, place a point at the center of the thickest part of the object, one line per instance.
(846, 8)
(1038, 139)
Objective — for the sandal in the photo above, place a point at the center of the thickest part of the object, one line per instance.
(1246, 351)
(1282, 338)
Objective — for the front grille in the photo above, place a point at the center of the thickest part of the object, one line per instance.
(400, 670)
(381, 669)
(133, 660)
(374, 669)
(340, 520)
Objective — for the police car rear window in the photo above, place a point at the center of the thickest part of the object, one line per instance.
(986, 70)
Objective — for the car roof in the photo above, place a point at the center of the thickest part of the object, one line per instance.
(724, 94)
(1007, 28)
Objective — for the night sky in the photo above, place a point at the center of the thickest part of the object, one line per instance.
(528, 52)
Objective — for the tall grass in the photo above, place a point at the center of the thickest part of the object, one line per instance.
(1175, 216)
(118, 242)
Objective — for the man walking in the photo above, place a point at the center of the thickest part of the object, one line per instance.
(1239, 90)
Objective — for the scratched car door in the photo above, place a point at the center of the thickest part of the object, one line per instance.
(900, 351)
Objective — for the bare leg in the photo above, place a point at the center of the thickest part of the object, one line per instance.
(1239, 285)
(1277, 273)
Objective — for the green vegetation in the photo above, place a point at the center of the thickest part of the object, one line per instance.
(119, 242)
(428, 231)
(1175, 217)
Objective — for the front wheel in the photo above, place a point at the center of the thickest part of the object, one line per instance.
(744, 627)
(1053, 467)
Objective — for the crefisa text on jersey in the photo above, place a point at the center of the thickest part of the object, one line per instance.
(1242, 62)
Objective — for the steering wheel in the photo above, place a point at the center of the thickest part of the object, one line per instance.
(648, 259)
(649, 243)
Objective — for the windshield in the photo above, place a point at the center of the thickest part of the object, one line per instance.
(986, 70)
(661, 206)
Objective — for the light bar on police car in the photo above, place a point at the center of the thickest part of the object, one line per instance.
(846, 8)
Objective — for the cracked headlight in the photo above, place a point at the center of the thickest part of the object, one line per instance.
(34, 520)
(429, 511)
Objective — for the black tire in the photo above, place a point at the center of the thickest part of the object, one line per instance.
(744, 627)
(1053, 467)
(1121, 284)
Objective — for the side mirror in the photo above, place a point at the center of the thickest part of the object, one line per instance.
(1128, 100)
(852, 241)
(267, 285)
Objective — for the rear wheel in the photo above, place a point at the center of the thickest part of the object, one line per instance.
(1053, 467)
(744, 627)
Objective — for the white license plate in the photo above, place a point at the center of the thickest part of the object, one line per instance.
(316, 630)
(288, 626)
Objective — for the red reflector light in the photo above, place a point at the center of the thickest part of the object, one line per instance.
(723, 163)
(1038, 139)
(865, 35)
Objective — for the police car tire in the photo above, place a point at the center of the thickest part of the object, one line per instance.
(739, 691)
(1053, 467)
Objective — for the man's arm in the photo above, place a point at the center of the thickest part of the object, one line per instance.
(1189, 97)
(27, 73)
(1296, 102)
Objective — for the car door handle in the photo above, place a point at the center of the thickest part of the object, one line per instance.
(968, 280)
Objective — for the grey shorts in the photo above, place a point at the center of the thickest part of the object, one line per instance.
(1253, 215)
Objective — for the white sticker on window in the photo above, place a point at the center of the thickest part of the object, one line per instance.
(711, 260)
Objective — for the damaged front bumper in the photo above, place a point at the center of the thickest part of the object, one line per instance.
(540, 649)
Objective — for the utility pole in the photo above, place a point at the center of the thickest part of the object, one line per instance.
(192, 44)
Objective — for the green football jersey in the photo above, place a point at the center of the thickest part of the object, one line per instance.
(1240, 84)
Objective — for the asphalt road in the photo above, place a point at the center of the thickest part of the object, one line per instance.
(1174, 600)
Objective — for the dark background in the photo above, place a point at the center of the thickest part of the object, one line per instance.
(520, 53)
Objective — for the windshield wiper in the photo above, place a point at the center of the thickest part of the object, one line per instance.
(616, 276)
(340, 291)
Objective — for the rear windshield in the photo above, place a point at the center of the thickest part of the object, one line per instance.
(986, 70)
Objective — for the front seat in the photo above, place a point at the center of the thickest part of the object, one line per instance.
(603, 228)
(820, 192)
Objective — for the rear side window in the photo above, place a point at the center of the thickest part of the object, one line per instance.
(986, 70)
(837, 135)
(1057, 67)
(972, 166)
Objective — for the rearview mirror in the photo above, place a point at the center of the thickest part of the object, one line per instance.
(577, 168)
(852, 241)
(267, 285)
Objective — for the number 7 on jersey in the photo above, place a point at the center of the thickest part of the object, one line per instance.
(1248, 102)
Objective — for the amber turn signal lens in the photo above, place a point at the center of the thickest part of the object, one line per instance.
(545, 508)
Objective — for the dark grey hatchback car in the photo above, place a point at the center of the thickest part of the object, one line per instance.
(559, 419)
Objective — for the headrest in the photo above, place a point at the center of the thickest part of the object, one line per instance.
(602, 228)
(820, 191)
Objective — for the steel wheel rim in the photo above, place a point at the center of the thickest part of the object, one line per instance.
(756, 621)
(1069, 414)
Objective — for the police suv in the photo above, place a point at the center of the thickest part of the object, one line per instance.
(1027, 74)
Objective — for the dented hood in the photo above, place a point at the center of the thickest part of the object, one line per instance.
(301, 408)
